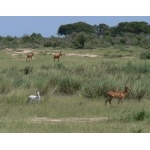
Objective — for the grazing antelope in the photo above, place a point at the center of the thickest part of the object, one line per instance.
(116, 94)
(57, 56)
(29, 56)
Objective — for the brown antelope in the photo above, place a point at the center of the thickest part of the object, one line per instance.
(57, 56)
(116, 94)
(29, 56)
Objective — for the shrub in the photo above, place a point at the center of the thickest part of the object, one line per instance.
(145, 55)
(94, 89)
(135, 116)
(5, 86)
(138, 130)
(136, 68)
(58, 66)
(79, 69)
(139, 116)
(47, 44)
(68, 85)
(91, 90)
(27, 69)
(80, 41)
(14, 99)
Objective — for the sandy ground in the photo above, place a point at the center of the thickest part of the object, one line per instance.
(59, 120)
(81, 55)
(25, 51)
(14, 53)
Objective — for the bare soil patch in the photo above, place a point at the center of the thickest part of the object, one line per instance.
(81, 55)
(59, 120)
(25, 51)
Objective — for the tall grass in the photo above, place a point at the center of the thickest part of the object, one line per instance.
(74, 88)
(90, 80)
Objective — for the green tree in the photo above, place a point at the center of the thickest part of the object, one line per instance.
(133, 27)
(75, 28)
(80, 40)
(101, 29)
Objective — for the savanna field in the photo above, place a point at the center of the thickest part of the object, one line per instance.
(73, 91)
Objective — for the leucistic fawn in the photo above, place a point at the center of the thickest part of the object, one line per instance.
(34, 98)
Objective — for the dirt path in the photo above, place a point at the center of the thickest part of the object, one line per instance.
(81, 55)
(45, 52)
(59, 120)
(25, 51)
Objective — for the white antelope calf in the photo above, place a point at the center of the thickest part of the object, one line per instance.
(116, 94)
(34, 98)
(57, 56)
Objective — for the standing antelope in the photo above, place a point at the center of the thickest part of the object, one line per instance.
(56, 56)
(34, 98)
(29, 56)
(116, 94)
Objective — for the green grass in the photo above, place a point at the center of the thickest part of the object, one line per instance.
(75, 87)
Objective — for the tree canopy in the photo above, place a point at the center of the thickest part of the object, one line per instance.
(75, 27)
(134, 27)
(103, 29)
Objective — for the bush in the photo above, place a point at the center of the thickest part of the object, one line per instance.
(135, 116)
(136, 68)
(47, 44)
(145, 55)
(58, 66)
(139, 116)
(5, 86)
(94, 89)
(80, 41)
(68, 85)
(27, 69)
(14, 99)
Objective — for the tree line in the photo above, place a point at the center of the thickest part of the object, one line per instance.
(103, 29)
(81, 35)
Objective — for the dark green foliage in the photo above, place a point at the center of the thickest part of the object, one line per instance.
(59, 66)
(138, 130)
(27, 69)
(76, 27)
(134, 116)
(80, 41)
(145, 55)
(79, 69)
(102, 29)
(68, 85)
(132, 67)
(94, 89)
(47, 44)
(105, 30)
(133, 27)
(33, 38)
(15, 100)
(139, 116)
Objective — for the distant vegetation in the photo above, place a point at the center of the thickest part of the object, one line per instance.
(82, 35)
